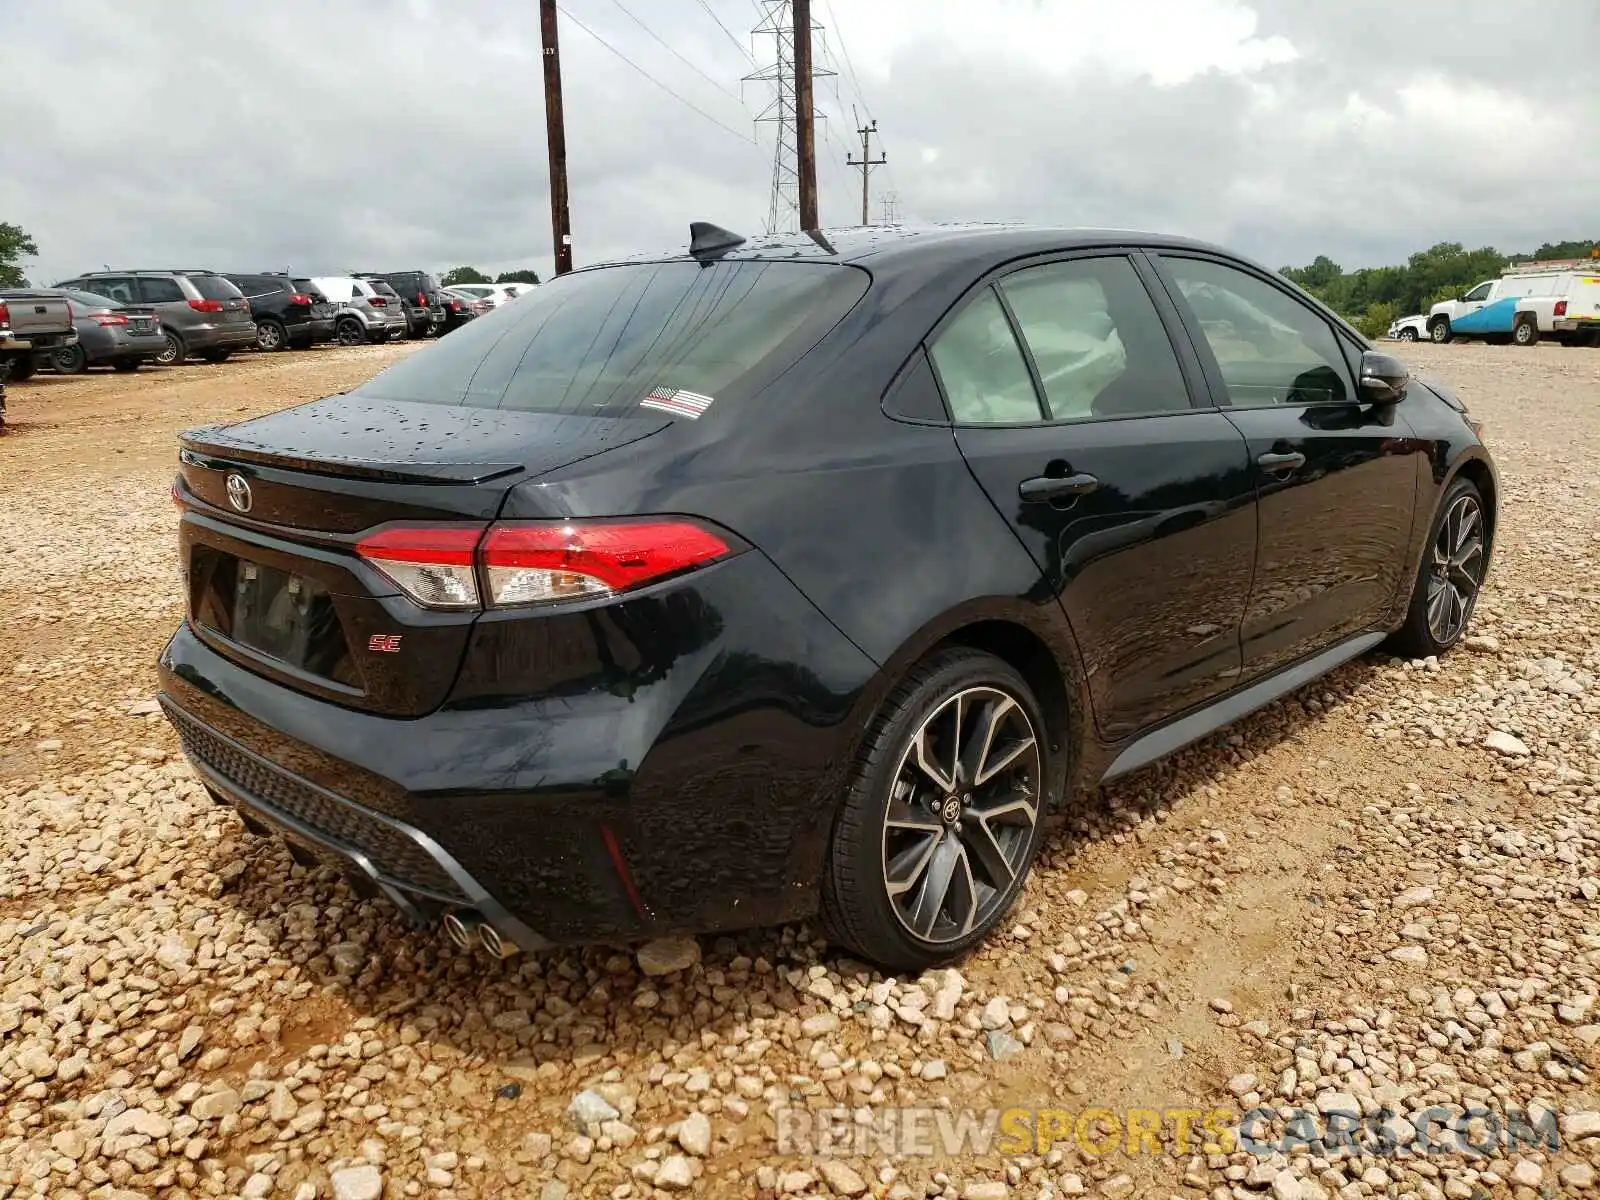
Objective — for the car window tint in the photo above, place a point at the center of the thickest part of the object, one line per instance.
(214, 287)
(1481, 292)
(601, 341)
(1096, 339)
(91, 299)
(159, 291)
(981, 368)
(120, 288)
(1271, 348)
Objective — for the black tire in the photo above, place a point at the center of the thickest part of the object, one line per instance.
(271, 336)
(69, 360)
(350, 332)
(127, 365)
(1439, 330)
(1525, 332)
(175, 353)
(216, 356)
(857, 909)
(1408, 334)
(1422, 636)
(23, 368)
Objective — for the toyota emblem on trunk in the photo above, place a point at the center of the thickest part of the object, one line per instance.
(239, 492)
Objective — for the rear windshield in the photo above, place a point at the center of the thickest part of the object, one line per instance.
(214, 287)
(309, 289)
(599, 341)
(379, 286)
(91, 299)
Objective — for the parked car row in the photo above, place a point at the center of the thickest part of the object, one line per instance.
(125, 318)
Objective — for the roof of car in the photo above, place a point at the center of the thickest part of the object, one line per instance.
(881, 243)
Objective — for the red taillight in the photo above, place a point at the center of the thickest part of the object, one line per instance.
(5, 314)
(110, 318)
(378, 302)
(540, 563)
(452, 305)
(536, 562)
(299, 298)
(422, 300)
(431, 564)
(1561, 308)
(206, 305)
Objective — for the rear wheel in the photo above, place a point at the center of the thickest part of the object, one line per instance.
(1439, 330)
(70, 360)
(350, 332)
(1408, 334)
(1525, 332)
(941, 824)
(271, 335)
(175, 351)
(1450, 577)
(127, 365)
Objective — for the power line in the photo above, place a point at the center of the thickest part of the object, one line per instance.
(670, 50)
(737, 44)
(855, 82)
(686, 103)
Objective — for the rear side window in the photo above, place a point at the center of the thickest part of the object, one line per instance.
(160, 291)
(599, 341)
(214, 287)
(981, 368)
(1099, 347)
(120, 288)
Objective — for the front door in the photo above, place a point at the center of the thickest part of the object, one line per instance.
(1074, 415)
(1336, 478)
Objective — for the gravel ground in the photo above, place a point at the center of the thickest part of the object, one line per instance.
(1381, 896)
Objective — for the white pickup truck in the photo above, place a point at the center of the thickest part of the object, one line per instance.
(1522, 307)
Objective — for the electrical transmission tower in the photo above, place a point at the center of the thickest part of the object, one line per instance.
(777, 20)
(890, 208)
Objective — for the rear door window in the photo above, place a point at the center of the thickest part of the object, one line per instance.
(600, 341)
(120, 288)
(981, 368)
(1096, 340)
(160, 291)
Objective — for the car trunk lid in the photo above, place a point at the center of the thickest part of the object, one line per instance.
(274, 507)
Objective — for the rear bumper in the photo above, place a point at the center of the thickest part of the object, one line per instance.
(1573, 324)
(652, 788)
(219, 337)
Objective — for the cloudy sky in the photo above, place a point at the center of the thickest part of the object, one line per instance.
(378, 134)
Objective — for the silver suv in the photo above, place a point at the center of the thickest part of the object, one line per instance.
(366, 310)
(201, 313)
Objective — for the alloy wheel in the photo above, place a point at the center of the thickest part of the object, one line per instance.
(1455, 570)
(1440, 332)
(269, 336)
(962, 814)
(172, 352)
(351, 333)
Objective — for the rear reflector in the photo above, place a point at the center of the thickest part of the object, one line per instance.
(536, 562)
(431, 564)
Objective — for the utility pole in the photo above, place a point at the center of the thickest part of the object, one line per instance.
(805, 127)
(555, 132)
(866, 162)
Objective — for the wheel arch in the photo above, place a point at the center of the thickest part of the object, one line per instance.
(1481, 475)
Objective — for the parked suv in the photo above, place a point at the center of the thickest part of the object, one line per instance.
(201, 312)
(421, 295)
(366, 310)
(284, 315)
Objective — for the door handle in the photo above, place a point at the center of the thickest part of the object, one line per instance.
(1274, 463)
(1053, 487)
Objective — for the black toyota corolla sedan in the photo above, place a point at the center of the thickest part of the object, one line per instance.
(800, 575)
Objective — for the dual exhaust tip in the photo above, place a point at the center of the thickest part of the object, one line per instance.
(468, 929)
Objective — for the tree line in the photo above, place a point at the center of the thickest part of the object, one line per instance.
(1373, 297)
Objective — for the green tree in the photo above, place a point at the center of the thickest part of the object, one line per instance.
(1376, 320)
(1316, 278)
(526, 275)
(15, 245)
(457, 275)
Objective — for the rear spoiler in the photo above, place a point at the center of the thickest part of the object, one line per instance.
(210, 447)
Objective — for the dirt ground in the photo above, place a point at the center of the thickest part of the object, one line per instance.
(1378, 898)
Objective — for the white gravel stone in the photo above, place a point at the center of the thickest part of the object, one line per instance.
(675, 1174)
(694, 1134)
(666, 955)
(364, 1182)
(1502, 742)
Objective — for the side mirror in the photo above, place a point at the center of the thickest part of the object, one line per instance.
(1383, 378)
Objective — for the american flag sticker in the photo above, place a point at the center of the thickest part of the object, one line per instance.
(677, 401)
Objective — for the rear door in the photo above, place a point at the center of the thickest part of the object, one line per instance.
(1072, 404)
(1336, 479)
(163, 294)
(235, 308)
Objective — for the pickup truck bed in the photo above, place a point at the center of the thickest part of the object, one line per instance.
(30, 321)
